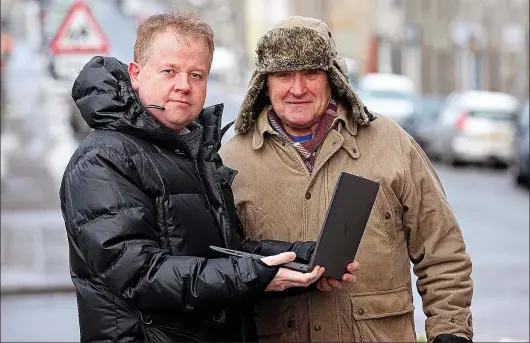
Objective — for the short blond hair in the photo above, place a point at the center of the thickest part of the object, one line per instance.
(185, 23)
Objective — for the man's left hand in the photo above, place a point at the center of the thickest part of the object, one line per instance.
(327, 284)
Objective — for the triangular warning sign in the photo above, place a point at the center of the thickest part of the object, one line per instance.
(79, 33)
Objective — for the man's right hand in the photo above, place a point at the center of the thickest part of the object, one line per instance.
(286, 278)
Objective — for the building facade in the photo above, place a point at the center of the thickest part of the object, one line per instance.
(454, 45)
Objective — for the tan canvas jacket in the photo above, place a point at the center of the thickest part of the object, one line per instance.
(411, 221)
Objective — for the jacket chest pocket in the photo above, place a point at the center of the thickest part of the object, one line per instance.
(386, 316)
(387, 214)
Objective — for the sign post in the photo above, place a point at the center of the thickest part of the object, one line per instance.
(78, 39)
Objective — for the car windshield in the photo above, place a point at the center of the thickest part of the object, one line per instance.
(389, 94)
(494, 115)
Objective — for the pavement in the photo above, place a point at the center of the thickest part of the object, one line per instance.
(36, 143)
(34, 252)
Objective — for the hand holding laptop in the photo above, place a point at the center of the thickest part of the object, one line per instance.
(287, 278)
(327, 284)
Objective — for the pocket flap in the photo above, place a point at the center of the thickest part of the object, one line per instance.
(381, 304)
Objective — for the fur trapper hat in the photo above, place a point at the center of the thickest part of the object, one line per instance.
(298, 43)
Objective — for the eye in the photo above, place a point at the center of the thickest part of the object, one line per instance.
(311, 72)
(167, 71)
(196, 76)
(283, 75)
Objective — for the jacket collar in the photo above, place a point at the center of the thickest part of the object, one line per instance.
(349, 124)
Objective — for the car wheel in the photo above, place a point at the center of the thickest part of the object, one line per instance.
(520, 178)
(457, 163)
(452, 160)
(500, 165)
(432, 155)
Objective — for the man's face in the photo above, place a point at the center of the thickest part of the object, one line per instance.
(174, 76)
(299, 98)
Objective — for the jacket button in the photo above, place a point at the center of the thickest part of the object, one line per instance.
(308, 195)
(354, 150)
(317, 327)
(387, 216)
(360, 311)
(284, 144)
(290, 324)
(335, 143)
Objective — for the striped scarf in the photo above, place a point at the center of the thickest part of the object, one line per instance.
(307, 149)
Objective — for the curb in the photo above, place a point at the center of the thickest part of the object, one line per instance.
(35, 289)
(25, 283)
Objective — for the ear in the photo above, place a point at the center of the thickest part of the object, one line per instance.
(134, 73)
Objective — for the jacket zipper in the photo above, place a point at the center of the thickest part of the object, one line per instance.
(144, 330)
(203, 188)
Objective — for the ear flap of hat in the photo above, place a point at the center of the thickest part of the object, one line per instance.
(341, 65)
(254, 101)
(347, 95)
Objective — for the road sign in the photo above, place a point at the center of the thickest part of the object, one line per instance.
(79, 33)
(468, 34)
(77, 40)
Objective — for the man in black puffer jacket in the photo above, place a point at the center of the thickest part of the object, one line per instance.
(146, 194)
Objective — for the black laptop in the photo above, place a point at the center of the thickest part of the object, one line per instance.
(343, 227)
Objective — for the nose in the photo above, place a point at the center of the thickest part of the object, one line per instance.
(298, 87)
(181, 83)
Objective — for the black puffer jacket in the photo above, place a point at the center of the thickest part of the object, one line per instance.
(141, 207)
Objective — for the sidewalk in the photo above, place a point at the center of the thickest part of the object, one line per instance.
(34, 252)
(34, 248)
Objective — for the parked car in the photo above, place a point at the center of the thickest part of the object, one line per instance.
(521, 162)
(476, 127)
(421, 123)
(391, 95)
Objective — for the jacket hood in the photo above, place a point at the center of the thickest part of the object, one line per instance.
(295, 44)
(104, 95)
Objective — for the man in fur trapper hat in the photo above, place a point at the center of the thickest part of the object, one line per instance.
(299, 126)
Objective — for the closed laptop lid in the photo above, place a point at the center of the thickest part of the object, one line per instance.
(345, 222)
